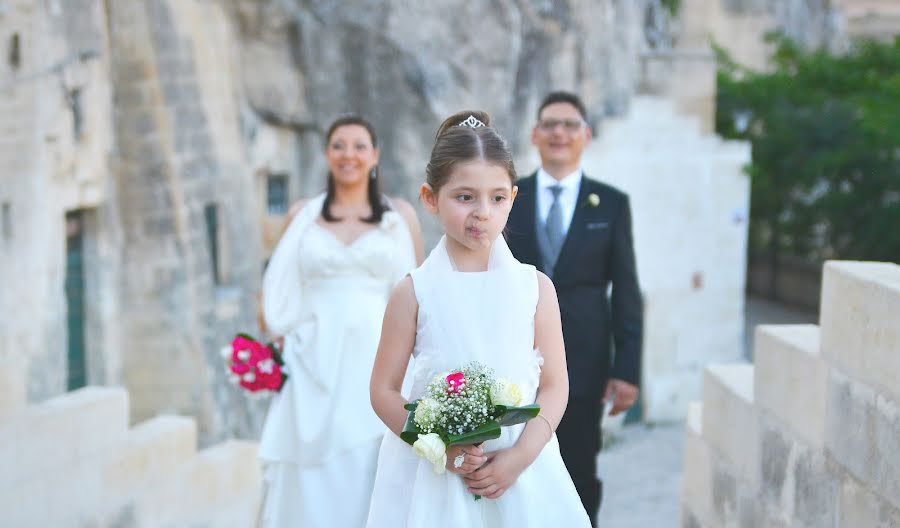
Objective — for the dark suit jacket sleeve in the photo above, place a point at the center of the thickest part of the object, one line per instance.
(627, 304)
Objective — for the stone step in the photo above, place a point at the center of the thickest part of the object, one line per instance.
(220, 486)
(791, 378)
(152, 451)
(860, 321)
(862, 434)
(729, 418)
(697, 489)
(49, 437)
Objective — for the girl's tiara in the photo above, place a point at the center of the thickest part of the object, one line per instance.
(472, 122)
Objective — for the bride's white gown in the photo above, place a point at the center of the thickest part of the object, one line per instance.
(486, 317)
(320, 441)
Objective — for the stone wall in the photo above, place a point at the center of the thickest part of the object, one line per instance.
(189, 214)
(407, 65)
(808, 436)
(690, 201)
(55, 109)
(121, 121)
(73, 461)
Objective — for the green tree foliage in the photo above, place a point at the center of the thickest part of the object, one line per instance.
(825, 131)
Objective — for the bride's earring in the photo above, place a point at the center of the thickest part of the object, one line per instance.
(373, 173)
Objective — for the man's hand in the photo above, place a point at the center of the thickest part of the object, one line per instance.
(623, 394)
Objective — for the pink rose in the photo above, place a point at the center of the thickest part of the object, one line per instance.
(455, 382)
(240, 368)
(273, 382)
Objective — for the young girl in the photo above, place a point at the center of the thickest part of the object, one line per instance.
(471, 300)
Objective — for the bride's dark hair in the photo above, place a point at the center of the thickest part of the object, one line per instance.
(455, 143)
(376, 202)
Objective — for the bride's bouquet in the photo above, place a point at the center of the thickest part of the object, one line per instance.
(254, 366)
(466, 406)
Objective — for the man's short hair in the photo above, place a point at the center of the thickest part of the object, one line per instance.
(563, 97)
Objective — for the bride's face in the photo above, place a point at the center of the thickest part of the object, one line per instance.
(351, 155)
(474, 204)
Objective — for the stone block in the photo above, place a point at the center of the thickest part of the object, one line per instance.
(863, 435)
(795, 483)
(849, 423)
(152, 451)
(62, 430)
(858, 506)
(697, 477)
(860, 322)
(729, 418)
(220, 486)
(791, 378)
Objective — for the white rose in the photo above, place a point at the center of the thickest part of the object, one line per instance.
(225, 352)
(432, 448)
(243, 355)
(505, 392)
(266, 366)
(594, 200)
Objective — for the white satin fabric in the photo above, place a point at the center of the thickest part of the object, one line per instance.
(486, 317)
(327, 299)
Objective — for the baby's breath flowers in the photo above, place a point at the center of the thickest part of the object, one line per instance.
(465, 406)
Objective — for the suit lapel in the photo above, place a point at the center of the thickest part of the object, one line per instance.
(576, 231)
(523, 229)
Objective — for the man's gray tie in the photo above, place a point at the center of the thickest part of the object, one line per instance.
(556, 233)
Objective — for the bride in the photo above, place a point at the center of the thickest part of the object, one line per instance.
(324, 291)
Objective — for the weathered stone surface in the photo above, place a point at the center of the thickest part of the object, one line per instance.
(679, 283)
(860, 328)
(729, 422)
(791, 378)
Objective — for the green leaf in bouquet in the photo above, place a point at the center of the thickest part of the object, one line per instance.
(515, 415)
(411, 431)
(488, 431)
(246, 336)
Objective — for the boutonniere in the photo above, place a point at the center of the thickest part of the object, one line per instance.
(591, 201)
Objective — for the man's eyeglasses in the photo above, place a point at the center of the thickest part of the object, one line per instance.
(570, 125)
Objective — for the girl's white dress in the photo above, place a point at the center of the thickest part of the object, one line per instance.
(320, 442)
(462, 317)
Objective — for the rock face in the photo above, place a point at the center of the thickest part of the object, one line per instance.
(407, 65)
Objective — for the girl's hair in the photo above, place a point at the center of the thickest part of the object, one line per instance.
(457, 140)
(378, 205)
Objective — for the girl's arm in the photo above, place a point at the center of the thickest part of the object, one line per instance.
(504, 467)
(553, 392)
(398, 336)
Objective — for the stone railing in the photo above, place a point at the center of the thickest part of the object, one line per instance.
(74, 461)
(809, 436)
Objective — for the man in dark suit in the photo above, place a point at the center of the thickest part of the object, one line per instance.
(578, 232)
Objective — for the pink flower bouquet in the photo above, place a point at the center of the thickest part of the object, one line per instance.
(254, 366)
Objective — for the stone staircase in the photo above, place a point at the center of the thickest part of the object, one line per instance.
(73, 461)
(808, 436)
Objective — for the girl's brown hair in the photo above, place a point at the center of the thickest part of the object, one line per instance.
(457, 142)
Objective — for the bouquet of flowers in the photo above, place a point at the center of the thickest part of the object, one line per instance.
(253, 365)
(466, 406)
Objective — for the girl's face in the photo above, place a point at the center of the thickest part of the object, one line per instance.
(351, 155)
(474, 204)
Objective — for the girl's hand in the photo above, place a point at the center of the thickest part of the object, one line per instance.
(473, 458)
(501, 471)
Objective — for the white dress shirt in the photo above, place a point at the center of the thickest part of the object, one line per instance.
(568, 197)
